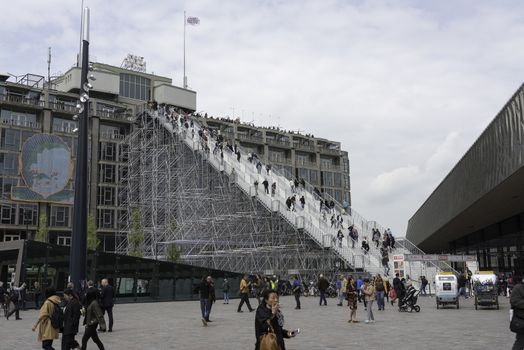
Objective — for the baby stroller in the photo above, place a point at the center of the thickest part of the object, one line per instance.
(409, 301)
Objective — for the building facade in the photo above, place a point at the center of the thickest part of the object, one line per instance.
(479, 208)
(30, 106)
(319, 161)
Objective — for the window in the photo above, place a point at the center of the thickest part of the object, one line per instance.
(107, 151)
(64, 125)
(275, 156)
(8, 237)
(107, 173)
(338, 179)
(313, 177)
(8, 214)
(27, 214)
(326, 163)
(10, 139)
(124, 153)
(59, 216)
(8, 163)
(6, 184)
(18, 118)
(63, 240)
(106, 195)
(303, 174)
(327, 178)
(134, 86)
(105, 218)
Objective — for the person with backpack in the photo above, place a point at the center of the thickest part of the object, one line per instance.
(93, 317)
(71, 320)
(380, 290)
(50, 319)
(297, 290)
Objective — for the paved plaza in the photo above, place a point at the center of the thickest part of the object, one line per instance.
(177, 325)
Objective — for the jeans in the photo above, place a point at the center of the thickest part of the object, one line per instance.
(37, 301)
(322, 297)
(462, 291)
(341, 297)
(68, 342)
(204, 307)
(226, 297)
(380, 300)
(90, 332)
(370, 311)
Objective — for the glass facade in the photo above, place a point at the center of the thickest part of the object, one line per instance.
(134, 279)
(134, 86)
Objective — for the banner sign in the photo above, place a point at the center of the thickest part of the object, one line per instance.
(434, 257)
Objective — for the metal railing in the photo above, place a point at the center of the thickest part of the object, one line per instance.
(23, 124)
(21, 100)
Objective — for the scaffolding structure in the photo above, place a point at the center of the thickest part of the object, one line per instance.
(183, 201)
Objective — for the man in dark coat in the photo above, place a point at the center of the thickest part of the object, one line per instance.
(205, 286)
(107, 301)
(322, 285)
(517, 304)
(71, 320)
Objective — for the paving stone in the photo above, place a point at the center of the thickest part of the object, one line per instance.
(177, 325)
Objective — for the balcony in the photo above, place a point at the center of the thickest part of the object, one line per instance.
(328, 150)
(250, 138)
(306, 163)
(301, 146)
(62, 106)
(111, 136)
(280, 143)
(286, 161)
(23, 124)
(117, 114)
(21, 100)
(331, 167)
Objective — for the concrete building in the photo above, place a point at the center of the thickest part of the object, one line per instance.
(319, 161)
(29, 106)
(37, 191)
(479, 207)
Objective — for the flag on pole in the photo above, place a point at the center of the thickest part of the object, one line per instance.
(194, 21)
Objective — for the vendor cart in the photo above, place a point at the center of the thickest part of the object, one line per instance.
(485, 289)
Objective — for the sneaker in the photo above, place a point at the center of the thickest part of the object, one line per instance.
(366, 321)
(356, 321)
(204, 322)
(240, 311)
(208, 320)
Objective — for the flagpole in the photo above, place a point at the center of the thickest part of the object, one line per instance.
(185, 78)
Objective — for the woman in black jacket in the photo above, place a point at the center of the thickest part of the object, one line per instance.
(71, 320)
(268, 310)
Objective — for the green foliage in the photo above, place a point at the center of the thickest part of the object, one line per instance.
(42, 234)
(92, 239)
(136, 236)
(173, 254)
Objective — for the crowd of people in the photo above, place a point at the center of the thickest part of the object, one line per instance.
(62, 315)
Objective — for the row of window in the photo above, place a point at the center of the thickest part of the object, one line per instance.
(134, 86)
(18, 214)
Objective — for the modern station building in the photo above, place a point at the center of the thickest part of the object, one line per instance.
(479, 206)
(38, 126)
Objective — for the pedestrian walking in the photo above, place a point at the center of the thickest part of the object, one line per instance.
(322, 286)
(71, 320)
(352, 297)
(107, 302)
(93, 317)
(16, 298)
(244, 294)
(205, 299)
(46, 332)
(225, 290)
(297, 290)
(212, 296)
(266, 185)
(369, 295)
(380, 289)
(342, 291)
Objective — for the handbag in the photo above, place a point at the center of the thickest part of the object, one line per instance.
(268, 341)
(517, 324)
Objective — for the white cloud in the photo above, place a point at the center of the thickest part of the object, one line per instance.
(390, 80)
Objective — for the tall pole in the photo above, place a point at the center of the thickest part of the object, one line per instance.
(78, 257)
(79, 56)
(185, 78)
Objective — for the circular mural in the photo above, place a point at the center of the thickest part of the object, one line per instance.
(46, 164)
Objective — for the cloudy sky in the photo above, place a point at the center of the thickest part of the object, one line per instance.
(406, 86)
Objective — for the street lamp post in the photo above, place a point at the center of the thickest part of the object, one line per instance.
(78, 258)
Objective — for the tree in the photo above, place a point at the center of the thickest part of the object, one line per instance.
(42, 234)
(173, 254)
(92, 238)
(136, 236)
